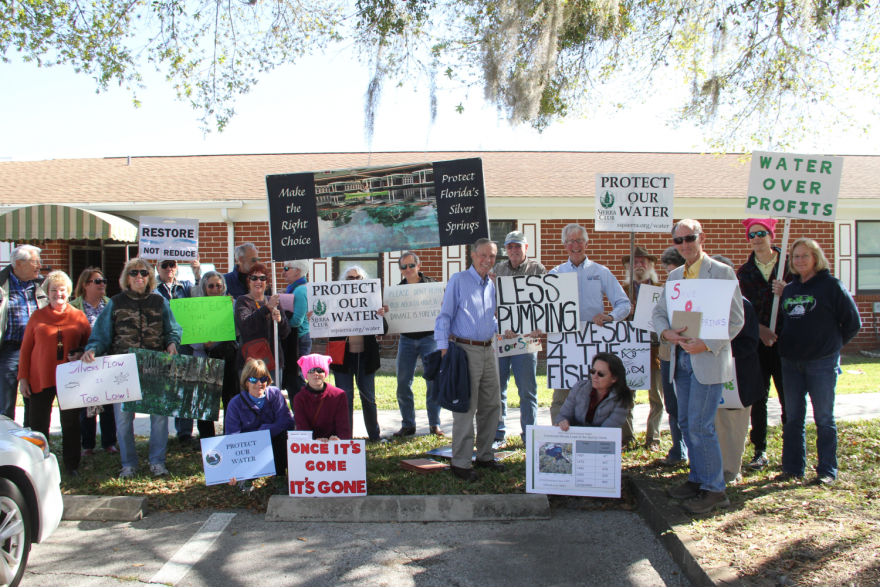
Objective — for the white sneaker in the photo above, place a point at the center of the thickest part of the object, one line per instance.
(126, 472)
(158, 470)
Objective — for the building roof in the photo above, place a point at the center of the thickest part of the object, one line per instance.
(507, 174)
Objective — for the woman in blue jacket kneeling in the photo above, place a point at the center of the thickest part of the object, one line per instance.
(604, 400)
(261, 407)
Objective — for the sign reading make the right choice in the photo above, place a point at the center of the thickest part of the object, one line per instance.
(794, 186)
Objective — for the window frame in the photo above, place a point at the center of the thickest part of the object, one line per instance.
(859, 256)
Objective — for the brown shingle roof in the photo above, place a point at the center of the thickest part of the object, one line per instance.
(511, 174)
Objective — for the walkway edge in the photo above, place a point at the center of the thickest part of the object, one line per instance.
(96, 508)
(668, 523)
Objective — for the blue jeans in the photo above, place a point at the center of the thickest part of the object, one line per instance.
(366, 387)
(408, 352)
(819, 379)
(697, 404)
(9, 378)
(524, 373)
(679, 451)
(125, 435)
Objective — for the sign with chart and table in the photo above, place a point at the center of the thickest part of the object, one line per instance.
(581, 461)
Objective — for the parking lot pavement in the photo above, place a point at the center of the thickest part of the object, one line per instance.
(575, 547)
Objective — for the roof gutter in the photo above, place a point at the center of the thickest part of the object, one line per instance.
(230, 236)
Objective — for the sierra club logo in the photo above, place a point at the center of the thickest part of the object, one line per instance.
(799, 305)
(607, 200)
(213, 458)
(320, 308)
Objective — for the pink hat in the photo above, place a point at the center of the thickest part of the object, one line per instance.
(311, 361)
(768, 223)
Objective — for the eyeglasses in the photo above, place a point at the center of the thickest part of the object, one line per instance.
(575, 241)
(599, 373)
(258, 278)
(685, 239)
(403, 266)
(254, 380)
(35, 262)
(255, 259)
(317, 370)
(353, 277)
(759, 234)
(136, 272)
(287, 268)
(168, 264)
(214, 286)
(97, 281)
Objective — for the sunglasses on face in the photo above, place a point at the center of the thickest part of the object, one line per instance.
(254, 380)
(258, 278)
(354, 277)
(98, 281)
(136, 272)
(599, 373)
(287, 268)
(315, 370)
(214, 286)
(686, 239)
(759, 234)
(169, 264)
(405, 265)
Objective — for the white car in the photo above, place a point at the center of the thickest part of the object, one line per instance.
(30, 496)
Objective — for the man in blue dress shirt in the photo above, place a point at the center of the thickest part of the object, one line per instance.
(467, 320)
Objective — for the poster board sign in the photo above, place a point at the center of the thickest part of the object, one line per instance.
(794, 186)
(634, 202)
(286, 301)
(378, 209)
(207, 319)
(711, 297)
(241, 456)
(343, 308)
(730, 396)
(336, 468)
(111, 379)
(521, 345)
(530, 302)
(582, 461)
(168, 238)
(413, 307)
(570, 355)
(649, 295)
(179, 386)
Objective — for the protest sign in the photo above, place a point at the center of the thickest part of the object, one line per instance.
(711, 297)
(286, 301)
(730, 396)
(240, 456)
(109, 380)
(336, 468)
(168, 238)
(531, 302)
(343, 308)
(179, 386)
(521, 345)
(206, 319)
(649, 295)
(413, 307)
(794, 186)
(570, 355)
(634, 202)
(581, 461)
(376, 209)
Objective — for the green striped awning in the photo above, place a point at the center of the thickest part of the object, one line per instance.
(55, 222)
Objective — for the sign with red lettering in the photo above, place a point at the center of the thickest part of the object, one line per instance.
(712, 297)
(336, 468)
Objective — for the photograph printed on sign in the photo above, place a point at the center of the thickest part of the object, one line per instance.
(793, 185)
(345, 308)
(634, 202)
(168, 239)
(526, 303)
(581, 461)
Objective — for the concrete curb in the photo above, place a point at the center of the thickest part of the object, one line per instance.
(668, 523)
(409, 508)
(96, 508)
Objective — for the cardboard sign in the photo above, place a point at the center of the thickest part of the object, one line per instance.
(336, 468)
(582, 461)
(208, 319)
(413, 307)
(794, 186)
(109, 380)
(634, 202)
(240, 456)
(531, 302)
(161, 239)
(712, 297)
(343, 308)
(521, 345)
(570, 355)
(649, 295)
(376, 209)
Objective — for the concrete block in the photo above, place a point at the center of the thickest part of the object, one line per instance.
(409, 508)
(98, 508)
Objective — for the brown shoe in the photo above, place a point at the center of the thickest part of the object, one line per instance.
(111, 450)
(404, 431)
(435, 430)
(653, 447)
(464, 474)
(706, 501)
(685, 491)
(492, 464)
(87, 452)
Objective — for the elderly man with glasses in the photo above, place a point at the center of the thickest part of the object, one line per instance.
(246, 256)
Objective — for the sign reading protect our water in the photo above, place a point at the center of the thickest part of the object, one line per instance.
(634, 202)
(413, 307)
(207, 319)
(344, 308)
(794, 186)
(109, 380)
(168, 238)
(336, 468)
(711, 297)
(537, 302)
(237, 456)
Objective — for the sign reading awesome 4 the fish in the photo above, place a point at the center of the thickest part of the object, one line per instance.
(794, 186)
(634, 202)
(344, 308)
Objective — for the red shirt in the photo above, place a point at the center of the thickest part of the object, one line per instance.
(332, 420)
(39, 348)
(594, 403)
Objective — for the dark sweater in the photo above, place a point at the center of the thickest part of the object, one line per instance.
(253, 320)
(370, 356)
(243, 416)
(333, 417)
(820, 316)
(757, 289)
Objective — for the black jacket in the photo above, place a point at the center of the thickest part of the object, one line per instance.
(370, 355)
(745, 356)
(451, 377)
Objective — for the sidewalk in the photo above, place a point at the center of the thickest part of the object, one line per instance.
(859, 406)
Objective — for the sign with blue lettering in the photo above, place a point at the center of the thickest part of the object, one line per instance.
(241, 456)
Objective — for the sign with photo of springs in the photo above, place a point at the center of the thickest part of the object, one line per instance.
(178, 386)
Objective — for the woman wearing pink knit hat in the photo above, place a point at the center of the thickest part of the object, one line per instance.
(320, 407)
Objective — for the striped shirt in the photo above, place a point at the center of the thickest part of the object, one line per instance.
(468, 309)
(22, 303)
(527, 267)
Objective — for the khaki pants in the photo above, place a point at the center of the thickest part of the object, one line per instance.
(485, 405)
(732, 427)
(559, 397)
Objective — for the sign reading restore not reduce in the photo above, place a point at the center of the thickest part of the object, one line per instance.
(168, 238)
(794, 186)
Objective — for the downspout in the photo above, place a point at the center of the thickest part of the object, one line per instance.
(230, 236)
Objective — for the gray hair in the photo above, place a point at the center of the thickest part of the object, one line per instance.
(688, 223)
(483, 241)
(200, 291)
(242, 249)
(566, 232)
(24, 253)
(357, 269)
(409, 254)
(300, 264)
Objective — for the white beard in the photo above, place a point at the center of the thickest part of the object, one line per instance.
(650, 276)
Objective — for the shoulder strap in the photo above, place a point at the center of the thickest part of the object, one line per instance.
(318, 411)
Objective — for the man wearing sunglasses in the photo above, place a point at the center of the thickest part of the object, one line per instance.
(755, 278)
(246, 255)
(411, 346)
(700, 368)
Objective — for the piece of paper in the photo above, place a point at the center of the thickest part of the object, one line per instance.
(413, 307)
(111, 379)
(634, 202)
(336, 468)
(730, 396)
(691, 321)
(521, 345)
(582, 461)
(649, 295)
(537, 302)
(162, 239)
(241, 456)
(207, 319)
(286, 301)
(712, 297)
(344, 308)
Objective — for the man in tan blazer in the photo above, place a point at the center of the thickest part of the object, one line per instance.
(699, 369)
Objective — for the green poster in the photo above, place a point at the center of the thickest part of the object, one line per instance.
(204, 319)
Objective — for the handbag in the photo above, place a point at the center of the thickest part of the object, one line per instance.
(259, 349)
(336, 351)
